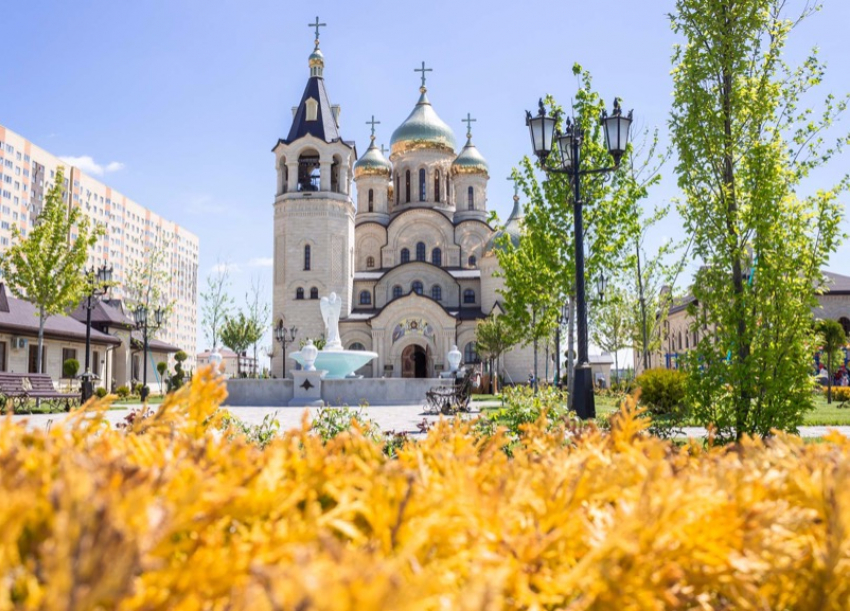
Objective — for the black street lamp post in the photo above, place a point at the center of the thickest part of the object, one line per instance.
(284, 336)
(140, 314)
(542, 128)
(99, 280)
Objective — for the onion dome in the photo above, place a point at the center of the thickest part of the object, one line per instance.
(470, 161)
(372, 163)
(423, 129)
(512, 228)
(316, 61)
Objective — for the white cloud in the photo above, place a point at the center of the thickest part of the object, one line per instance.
(261, 262)
(230, 268)
(88, 165)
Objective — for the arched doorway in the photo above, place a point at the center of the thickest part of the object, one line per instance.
(414, 362)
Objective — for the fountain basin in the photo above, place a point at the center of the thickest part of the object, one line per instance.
(338, 363)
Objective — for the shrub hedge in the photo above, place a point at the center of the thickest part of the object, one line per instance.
(179, 510)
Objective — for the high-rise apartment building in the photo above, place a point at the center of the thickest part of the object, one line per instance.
(133, 232)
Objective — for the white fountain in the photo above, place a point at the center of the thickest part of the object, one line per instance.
(338, 363)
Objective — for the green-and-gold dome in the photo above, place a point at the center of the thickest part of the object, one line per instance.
(470, 161)
(372, 163)
(423, 129)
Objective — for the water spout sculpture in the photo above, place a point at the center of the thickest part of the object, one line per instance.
(332, 358)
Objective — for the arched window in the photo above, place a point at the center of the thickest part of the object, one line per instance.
(397, 292)
(309, 171)
(845, 322)
(420, 251)
(405, 255)
(687, 340)
(422, 184)
(357, 346)
(680, 340)
(407, 187)
(299, 293)
(437, 292)
(472, 261)
(417, 287)
(307, 258)
(365, 298)
(437, 186)
(470, 198)
(371, 200)
(370, 261)
(397, 188)
(468, 296)
(437, 257)
(470, 354)
(314, 293)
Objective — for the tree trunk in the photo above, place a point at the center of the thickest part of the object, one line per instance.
(829, 379)
(40, 348)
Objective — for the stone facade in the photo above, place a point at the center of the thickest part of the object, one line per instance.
(411, 256)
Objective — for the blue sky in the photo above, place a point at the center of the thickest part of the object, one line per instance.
(189, 97)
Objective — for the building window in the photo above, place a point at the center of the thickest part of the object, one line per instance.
(357, 346)
(405, 255)
(417, 287)
(299, 293)
(472, 261)
(845, 322)
(314, 293)
(397, 188)
(370, 261)
(470, 198)
(470, 354)
(468, 296)
(407, 187)
(437, 186)
(437, 292)
(365, 298)
(33, 365)
(397, 292)
(420, 251)
(422, 185)
(371, 200)
(437, 257)
(307, 258)
(312, 107)
(3, 356)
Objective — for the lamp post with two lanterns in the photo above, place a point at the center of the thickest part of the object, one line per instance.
(284, 336)
(140, 314)
(545, 135)
(99, 281)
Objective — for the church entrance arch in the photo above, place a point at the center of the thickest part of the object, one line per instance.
(415, 361)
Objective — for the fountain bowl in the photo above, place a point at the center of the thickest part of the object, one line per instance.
(338, 363)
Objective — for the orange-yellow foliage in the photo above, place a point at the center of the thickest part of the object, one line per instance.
(172, 514)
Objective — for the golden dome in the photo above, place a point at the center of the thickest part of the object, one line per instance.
(423, 129)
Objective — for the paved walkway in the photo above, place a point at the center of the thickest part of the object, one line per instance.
(398, 418)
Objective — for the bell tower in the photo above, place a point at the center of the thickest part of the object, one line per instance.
(313, 213)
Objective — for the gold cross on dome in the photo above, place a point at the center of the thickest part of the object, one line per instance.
(317, 25)
(373, 123)
(469, 121)
(423, 70)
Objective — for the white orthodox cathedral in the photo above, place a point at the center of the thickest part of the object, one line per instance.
(412, 259)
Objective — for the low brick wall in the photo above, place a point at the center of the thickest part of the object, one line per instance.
(374, 391)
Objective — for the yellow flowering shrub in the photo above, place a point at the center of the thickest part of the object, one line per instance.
(171, 513)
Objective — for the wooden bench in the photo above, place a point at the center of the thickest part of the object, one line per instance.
(18, 389)
(451, 399)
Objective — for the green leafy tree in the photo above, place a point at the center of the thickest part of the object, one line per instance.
(238, 333)
(147, 281)
(540, 272)
(613, 323)
(744, 146)
(161, 369)
(217, 304)
(47, 266)
(493, 337)
(833, 338)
